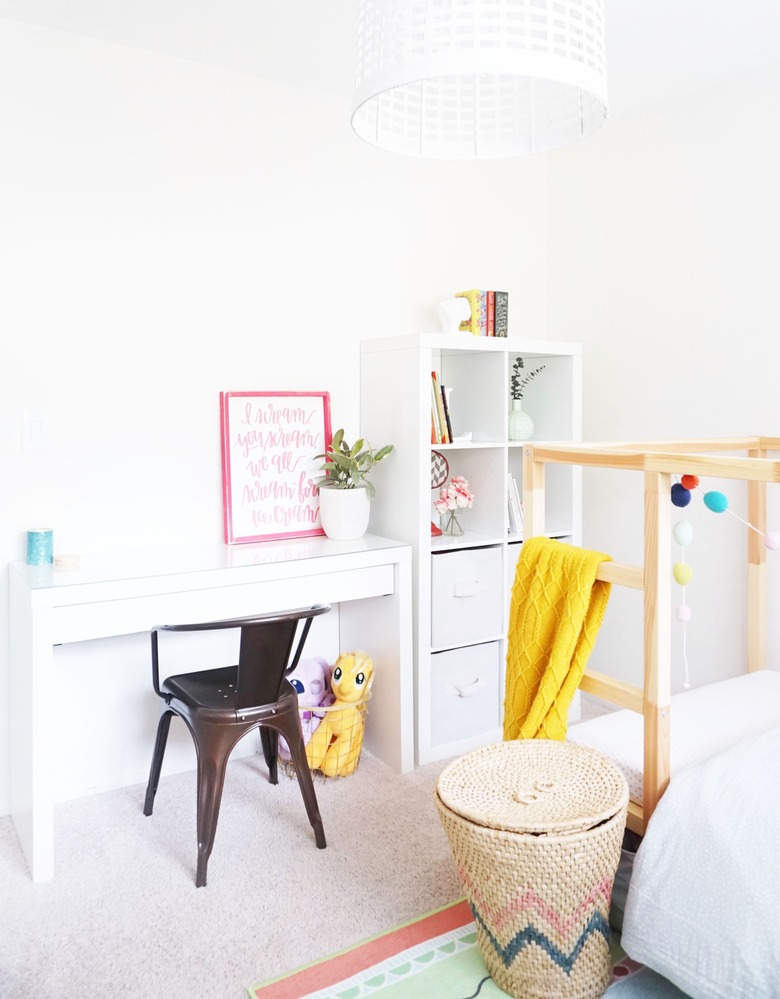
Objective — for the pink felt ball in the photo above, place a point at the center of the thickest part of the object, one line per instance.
(772, 540)
(684, 613)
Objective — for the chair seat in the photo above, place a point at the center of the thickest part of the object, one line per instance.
(209, 688)
(216, 690)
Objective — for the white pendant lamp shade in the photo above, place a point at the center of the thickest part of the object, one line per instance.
(478, 79)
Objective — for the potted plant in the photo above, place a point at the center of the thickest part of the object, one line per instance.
(521, 426)
(345, 490)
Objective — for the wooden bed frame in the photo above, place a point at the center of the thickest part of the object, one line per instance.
(660, 461)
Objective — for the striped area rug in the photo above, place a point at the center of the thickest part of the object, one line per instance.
(435, 955)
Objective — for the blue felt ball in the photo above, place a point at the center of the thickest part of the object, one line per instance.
(716, 501)
(680, 495)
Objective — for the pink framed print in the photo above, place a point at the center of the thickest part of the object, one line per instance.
(269, 444)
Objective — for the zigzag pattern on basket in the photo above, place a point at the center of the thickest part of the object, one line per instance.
(596, 924)
(529, 900)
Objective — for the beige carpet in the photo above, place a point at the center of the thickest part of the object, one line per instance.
(122, 916)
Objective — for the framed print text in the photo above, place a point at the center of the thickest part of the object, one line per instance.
(269, 444)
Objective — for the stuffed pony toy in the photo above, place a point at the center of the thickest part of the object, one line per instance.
(335, 746)
(311, 679)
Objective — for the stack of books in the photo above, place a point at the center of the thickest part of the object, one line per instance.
(489, 312)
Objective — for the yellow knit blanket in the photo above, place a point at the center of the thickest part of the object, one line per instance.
(556, 612)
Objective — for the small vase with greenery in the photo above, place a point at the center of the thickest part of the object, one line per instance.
(347, 467)
(345, 491)
(521, 425)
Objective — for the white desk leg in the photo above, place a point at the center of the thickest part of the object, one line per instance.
(382, 626)
(31, 732)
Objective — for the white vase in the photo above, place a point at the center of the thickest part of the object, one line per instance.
(521, 426)
(344, 513)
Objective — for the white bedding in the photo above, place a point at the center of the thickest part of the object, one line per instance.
(703, 721)
(703, 906)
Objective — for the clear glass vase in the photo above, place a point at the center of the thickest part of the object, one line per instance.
(450, 524)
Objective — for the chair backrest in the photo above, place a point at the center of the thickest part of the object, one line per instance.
(266, 649)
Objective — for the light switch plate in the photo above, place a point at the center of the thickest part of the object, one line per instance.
(34, 431)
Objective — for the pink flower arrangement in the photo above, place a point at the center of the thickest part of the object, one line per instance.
(454, 495)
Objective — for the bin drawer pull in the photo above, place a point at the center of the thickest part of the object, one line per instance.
(464, 690)
(469, 589)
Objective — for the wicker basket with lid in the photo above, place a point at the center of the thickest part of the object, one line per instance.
(536, 827)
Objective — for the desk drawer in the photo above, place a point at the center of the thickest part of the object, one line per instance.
(466, 596)
(465, 695)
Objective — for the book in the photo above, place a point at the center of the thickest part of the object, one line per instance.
(445, 398)
(440, 408)
(519, 504)
(501, 313)
(511, 519)
(470, 325)
(483, 313)
(435, 425)
(515, 508)
(491, 313)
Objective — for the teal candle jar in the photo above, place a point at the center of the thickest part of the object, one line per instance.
(40, 546)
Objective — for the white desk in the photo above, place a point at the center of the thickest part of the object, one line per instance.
(113, 595)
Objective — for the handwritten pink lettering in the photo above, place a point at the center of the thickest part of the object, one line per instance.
(271, 413)
(270, 440)
(296, 514)
(306, 487)
(272, 490)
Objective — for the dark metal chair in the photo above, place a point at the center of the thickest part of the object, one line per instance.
(221, 705)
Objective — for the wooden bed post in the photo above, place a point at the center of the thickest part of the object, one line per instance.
(657, 640)
(756, 595)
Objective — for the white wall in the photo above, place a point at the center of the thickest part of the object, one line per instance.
(167, 231)
(664, 259)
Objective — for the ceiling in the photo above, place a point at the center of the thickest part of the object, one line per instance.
(655, 48)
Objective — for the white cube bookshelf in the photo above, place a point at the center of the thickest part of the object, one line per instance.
(455, 711)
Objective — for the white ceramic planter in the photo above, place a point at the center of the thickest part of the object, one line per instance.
(344, 513)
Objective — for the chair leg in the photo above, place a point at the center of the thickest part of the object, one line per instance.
(213, 752)
(269, 738)
(294, 737)
(157, 759)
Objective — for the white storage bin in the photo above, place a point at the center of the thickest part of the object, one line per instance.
(467, 597)
(465, 696)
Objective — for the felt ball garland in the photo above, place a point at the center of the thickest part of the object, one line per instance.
(718, 503)
(682, 532)
(682, 572)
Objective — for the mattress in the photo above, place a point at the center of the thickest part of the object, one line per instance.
(704, 721)
(704, 913)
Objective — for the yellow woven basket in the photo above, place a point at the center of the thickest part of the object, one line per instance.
(536, 827)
